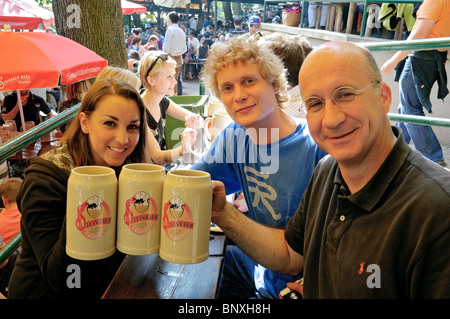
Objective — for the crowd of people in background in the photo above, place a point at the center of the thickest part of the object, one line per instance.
(199, 38)
(202, 37)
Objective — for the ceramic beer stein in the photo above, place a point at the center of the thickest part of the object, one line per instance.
(28, 125)
(91, 212)
(214, 105)
(139, 208)
(216, 124)
(13, 125)
(185, 227)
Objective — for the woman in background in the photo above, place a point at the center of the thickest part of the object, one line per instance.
(157, 74)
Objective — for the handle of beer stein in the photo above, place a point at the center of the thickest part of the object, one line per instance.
(207, 124)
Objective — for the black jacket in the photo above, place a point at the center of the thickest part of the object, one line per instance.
(428, 67)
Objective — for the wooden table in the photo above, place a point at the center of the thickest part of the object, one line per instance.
(150, 277)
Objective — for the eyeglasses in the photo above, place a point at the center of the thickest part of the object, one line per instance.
(254, 25)
(164, 57)
(342, 96)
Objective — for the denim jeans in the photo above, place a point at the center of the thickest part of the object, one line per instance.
(423, 137)
(243, 278)
(312, 15)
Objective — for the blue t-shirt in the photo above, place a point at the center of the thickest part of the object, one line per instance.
(272, 177)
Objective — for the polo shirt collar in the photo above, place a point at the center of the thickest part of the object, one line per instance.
(372, 192)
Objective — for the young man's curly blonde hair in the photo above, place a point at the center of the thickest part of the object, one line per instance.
(247, 52)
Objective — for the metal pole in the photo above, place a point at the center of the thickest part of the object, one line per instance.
(364, 19)
(421, 44)
(10, 247)
(417, 119)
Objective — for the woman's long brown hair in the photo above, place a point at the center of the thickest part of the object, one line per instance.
(78, 142)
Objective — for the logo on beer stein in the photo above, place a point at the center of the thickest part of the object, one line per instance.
(177, 220)
(140, 213)
(93, 218)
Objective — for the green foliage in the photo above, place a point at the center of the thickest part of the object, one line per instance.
(44, 2)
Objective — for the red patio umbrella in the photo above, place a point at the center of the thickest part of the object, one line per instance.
(32, 60)
(130, 7)
(24, 15)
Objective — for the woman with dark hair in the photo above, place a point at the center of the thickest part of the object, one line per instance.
(109, 131)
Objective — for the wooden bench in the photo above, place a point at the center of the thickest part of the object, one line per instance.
(150, 277)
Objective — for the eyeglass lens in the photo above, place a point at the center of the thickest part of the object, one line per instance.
(342, 96)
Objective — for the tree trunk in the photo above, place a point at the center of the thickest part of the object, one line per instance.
(98, 25)
(237, 10)
(227, 11)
